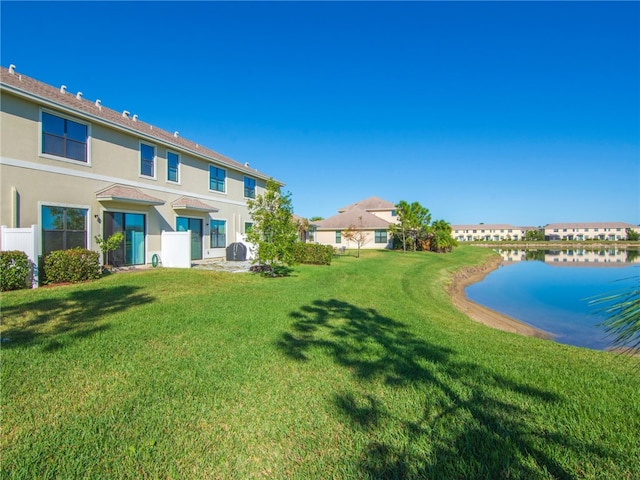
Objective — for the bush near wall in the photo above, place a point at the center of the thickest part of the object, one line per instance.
(15, 270)
(73, 265)
(312, 253)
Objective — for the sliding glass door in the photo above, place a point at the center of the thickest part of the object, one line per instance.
(132, 249)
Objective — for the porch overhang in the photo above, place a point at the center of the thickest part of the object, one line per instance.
(120, 193)
(190, 203)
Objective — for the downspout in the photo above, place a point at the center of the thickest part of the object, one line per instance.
(15, 208)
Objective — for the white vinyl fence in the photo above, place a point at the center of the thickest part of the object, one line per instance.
(176, 249)
(25, 240)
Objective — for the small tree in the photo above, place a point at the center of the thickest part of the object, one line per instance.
(303, 228)
(109, 245)
(632, 235)
(356, 235)
(534, 235)
(413, 222)
(274, 230)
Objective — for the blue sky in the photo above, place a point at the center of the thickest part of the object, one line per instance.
(494, 112)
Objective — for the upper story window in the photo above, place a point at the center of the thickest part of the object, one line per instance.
(147, 160)
(394, 213)
(173, 166)
(65, 138)
(216, 178)
(249, 187)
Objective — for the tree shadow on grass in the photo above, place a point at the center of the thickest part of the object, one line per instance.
(53, 321)
(471, 421)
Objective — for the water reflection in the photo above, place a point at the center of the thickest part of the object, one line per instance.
(604, 257)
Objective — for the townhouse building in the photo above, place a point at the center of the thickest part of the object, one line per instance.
(78, 169)
(371, 216)
(611, 231)
(489, 232)
(588, 231)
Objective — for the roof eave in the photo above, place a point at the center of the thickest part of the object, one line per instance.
(79, 113)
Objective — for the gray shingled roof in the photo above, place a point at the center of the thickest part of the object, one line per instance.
(355, 217)
(369, 204)
(94, 111)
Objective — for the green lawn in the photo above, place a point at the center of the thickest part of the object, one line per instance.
(358, 370)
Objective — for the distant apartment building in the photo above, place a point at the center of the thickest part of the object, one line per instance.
(489, 232)
(77, 169)
(610, 231)
(588, 231)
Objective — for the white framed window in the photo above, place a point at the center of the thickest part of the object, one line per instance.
(218, 232)
(64, 138)
(249, 187)
(217, 179)
(147, 160)
(380, 236)
(63, 226)
(173, 167)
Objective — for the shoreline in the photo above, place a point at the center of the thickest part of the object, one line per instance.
(479, 313)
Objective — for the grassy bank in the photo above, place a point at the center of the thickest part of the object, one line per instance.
(359, 370)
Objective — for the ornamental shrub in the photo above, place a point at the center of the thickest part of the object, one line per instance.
(15, 270)
(312, 253)
(73, 265)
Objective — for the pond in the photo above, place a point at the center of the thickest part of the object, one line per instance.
(553, 290)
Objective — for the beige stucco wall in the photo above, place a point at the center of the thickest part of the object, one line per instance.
(114, 159)
(385, 215)
(328, 237)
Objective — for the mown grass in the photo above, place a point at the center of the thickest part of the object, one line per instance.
(358, 370)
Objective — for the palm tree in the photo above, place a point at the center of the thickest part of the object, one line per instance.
(441, 239)
(622, 312)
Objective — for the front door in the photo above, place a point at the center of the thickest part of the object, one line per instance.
(195, 225)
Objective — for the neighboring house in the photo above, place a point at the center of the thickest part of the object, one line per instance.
(588, 231)
(373, 216)
(78, 169)
(489, 232)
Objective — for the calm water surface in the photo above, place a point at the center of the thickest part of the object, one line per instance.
(555, 297)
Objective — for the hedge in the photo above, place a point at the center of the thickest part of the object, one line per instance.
(312, 253)
(15, 270)
(73, 265)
